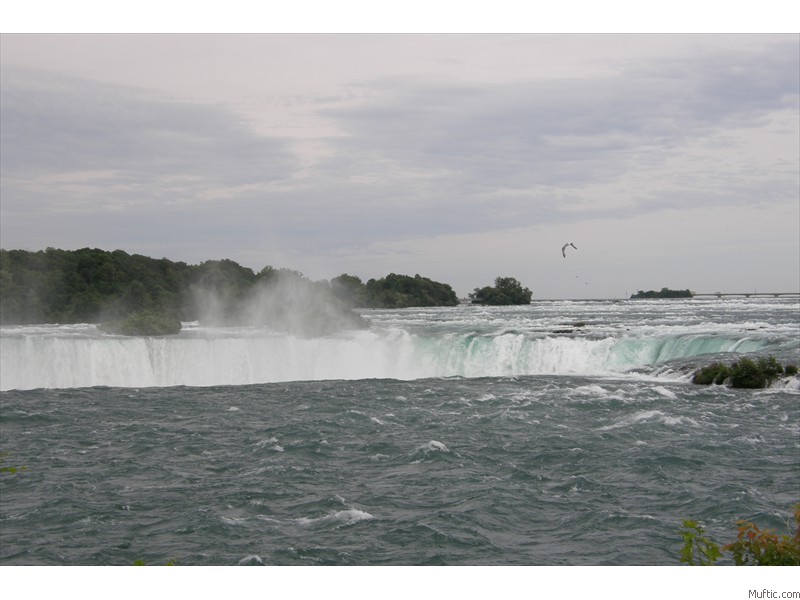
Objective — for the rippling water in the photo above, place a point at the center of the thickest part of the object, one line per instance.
(593, 457)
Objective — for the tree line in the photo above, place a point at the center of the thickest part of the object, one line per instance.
(91, 285)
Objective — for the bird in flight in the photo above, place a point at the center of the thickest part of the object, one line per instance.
(564, 248)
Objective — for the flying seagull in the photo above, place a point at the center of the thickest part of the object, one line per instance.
(564, 248)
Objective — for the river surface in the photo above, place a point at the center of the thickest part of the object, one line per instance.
(559, 433)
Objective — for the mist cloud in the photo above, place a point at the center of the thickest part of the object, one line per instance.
(279, 299)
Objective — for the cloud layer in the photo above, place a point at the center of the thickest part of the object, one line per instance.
(407, 168)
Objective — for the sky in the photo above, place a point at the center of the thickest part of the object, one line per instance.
(668, 160)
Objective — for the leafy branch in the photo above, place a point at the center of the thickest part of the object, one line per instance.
(753, 546)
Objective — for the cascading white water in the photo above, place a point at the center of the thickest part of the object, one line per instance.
(70, 356)
(82, 361)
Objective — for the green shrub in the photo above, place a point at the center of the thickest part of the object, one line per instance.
(765, 548)
(697, 548)
(770, 367)
(744, 373)
(752, 546)
(716, 373)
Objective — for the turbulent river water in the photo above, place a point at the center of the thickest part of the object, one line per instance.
(559, 433)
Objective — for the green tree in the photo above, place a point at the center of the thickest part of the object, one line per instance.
(506, 291)
(97, 286)
(402, 291)
(217, 289)
(349, 289)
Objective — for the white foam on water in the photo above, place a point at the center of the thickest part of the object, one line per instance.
(433, 446)
(262, 443)
(339, 518)
(665, 392)
(593, 389)
(651, 416)
(679, 421)
(643, 416)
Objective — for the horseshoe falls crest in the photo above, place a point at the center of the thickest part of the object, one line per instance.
(407, 345)
(558, 433)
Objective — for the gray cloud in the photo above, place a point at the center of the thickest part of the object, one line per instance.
(458, 157)
(403, 156)
(54, 123)
(566, 132)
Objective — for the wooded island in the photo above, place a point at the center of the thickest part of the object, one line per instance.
(134, 294)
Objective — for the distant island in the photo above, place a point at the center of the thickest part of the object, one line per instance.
(506, 291)
(664, 293)
(136, 295)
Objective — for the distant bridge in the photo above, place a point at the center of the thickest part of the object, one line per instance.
(749, 294)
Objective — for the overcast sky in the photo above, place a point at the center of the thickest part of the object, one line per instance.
(668, 160)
